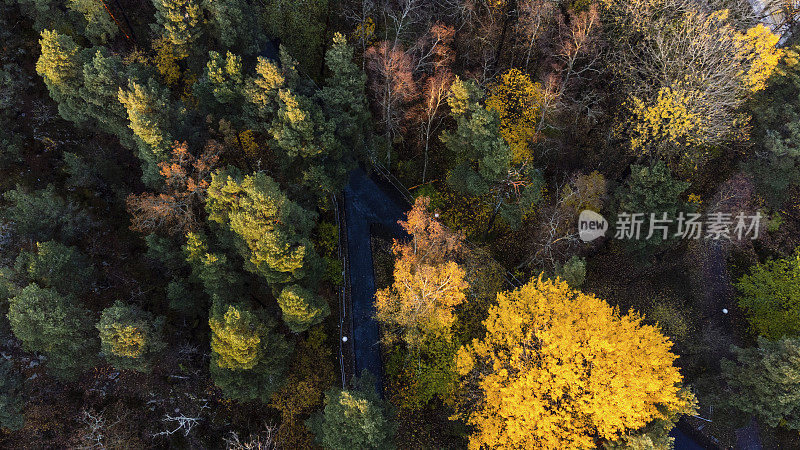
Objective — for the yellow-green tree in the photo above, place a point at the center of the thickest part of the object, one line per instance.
(558, 368)
(249, 357)
(236, 339)
(770, 295)
(178, 21)
(60, 65)
(518, 101)
(148, 109)
(130, 337)
(166, 61)
(274, 229)
(302, 308)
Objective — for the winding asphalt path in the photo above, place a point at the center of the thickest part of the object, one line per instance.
(365, 204)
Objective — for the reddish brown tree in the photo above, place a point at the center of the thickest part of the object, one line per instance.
(431, 241)
(185, 184)
(391, 83)
(578, 50)
(434, 61)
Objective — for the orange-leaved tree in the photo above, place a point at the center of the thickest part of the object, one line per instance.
(185, 183)
(428, 283)
(558, 368)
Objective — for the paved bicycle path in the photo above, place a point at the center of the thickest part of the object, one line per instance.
(365, 204)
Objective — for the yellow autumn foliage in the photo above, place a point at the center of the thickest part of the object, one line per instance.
(518, 101)
(235, 339)
(759, 48)
(584, 192)
(560, 369)
(671, 121)
(249, 145)
(365, 31)
(166, 61)
(691, 69)
(130, 341)
(423, 296)
(428, 284)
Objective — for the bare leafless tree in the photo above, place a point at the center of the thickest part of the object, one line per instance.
(95, 429)
(178, 423)
(535, 20)
(556, 231)
(486, 28)
(265, 440)
(781, 15)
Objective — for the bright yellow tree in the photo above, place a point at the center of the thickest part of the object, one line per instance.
(562, 369)
(518, 102)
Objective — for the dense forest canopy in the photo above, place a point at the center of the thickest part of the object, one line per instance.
(175, 250)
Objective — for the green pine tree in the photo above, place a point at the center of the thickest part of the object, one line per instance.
(55, 325)
(766, 381)
(301, 26)
(651, 189)
(213, 270)
(44, 215)
(353, 419)
(221, 88)
(55, 265)
(775, 165)
(103, 76)
(482, 160)
(234, 24)
(481, 156)
(344, 104)
(100, 28)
